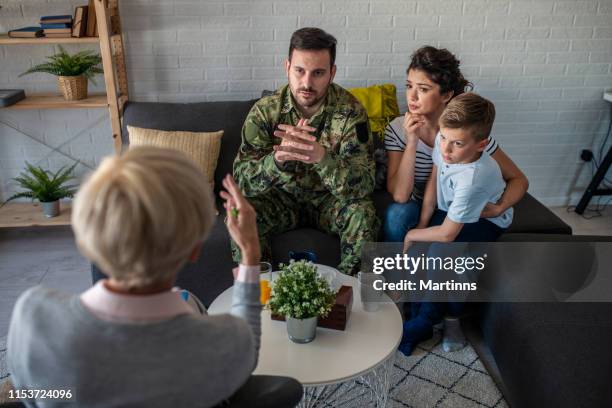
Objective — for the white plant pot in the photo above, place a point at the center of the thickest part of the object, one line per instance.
(302, 330)
(51, 209)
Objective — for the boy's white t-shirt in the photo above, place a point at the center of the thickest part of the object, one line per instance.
(465, 189)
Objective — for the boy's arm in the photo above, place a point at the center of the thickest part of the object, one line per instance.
(447, 232)
(467, 204)
(516, 185)
(429, 199)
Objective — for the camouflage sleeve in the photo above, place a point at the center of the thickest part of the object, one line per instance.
(255, 169)
(349, 173)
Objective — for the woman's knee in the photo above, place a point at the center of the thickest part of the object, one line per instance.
(399, 218)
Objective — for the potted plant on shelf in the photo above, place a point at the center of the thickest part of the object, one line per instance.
(46, 187)
(72, 71)
(302, 296)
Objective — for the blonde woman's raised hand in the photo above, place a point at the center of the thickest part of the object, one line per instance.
(241, 222)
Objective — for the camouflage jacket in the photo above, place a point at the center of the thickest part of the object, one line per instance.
(346, 171)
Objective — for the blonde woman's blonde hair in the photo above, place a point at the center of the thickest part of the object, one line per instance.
(140, 215)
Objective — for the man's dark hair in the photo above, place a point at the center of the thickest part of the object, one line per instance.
(311, 38)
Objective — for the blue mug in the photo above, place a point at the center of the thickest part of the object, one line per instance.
(299, 255)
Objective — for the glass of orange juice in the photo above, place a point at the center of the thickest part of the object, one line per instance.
(265, 278)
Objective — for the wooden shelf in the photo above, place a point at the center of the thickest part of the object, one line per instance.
(58, 102)
(110, 41)
(31, 215)
(5, 39)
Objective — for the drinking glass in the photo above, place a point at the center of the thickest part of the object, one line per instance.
(370, 297)
(265, 278)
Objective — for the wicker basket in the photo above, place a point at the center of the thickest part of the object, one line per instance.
(73, 87)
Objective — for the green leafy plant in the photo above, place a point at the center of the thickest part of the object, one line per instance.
(85, 63)
(44, 186)
(300, 292)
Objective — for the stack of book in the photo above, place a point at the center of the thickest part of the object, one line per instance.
(56, 26)
(82, 24)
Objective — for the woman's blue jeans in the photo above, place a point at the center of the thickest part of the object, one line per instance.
(399, 219)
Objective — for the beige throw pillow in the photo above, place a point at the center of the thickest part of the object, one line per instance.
(202, 147)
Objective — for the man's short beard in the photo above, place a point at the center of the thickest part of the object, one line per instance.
(313, 103)
(309, 104)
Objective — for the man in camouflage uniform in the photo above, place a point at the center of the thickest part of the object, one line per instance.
(305, 154)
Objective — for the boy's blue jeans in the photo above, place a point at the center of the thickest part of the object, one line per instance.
(399, 219)
(424, 315)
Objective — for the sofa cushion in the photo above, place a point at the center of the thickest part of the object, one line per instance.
(193, 117)
(380, 102)
(201, 147)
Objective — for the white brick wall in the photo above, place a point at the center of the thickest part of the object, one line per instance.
(544, 63)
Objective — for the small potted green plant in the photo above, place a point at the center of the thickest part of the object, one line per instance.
(72, 71)
(46, 187)
(302, 296)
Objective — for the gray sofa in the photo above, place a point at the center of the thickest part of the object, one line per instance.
(548, 354)
(211, 274)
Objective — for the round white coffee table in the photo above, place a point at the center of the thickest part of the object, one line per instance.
(363, 353)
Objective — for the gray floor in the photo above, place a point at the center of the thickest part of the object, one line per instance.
(588, 223)
(35, 256)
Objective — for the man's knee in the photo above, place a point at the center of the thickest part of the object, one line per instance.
(273, 214)
(358, 216)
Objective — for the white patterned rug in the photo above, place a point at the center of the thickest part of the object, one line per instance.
(428, 378)
(431, 377)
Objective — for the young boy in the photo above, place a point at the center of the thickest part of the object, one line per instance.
(463, 180)
(464, 177)
(131, 340)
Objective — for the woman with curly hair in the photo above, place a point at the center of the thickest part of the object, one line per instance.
(433, 79)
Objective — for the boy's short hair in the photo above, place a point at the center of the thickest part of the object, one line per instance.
(140, 215)
(312, 38)
(469, 111)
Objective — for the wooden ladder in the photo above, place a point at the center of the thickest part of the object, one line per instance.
(113, 62)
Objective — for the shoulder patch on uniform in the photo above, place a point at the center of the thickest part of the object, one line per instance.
(362, 132)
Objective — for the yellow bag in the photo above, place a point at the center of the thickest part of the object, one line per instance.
(380, 103)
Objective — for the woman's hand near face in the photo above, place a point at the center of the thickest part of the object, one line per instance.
(412, 123)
